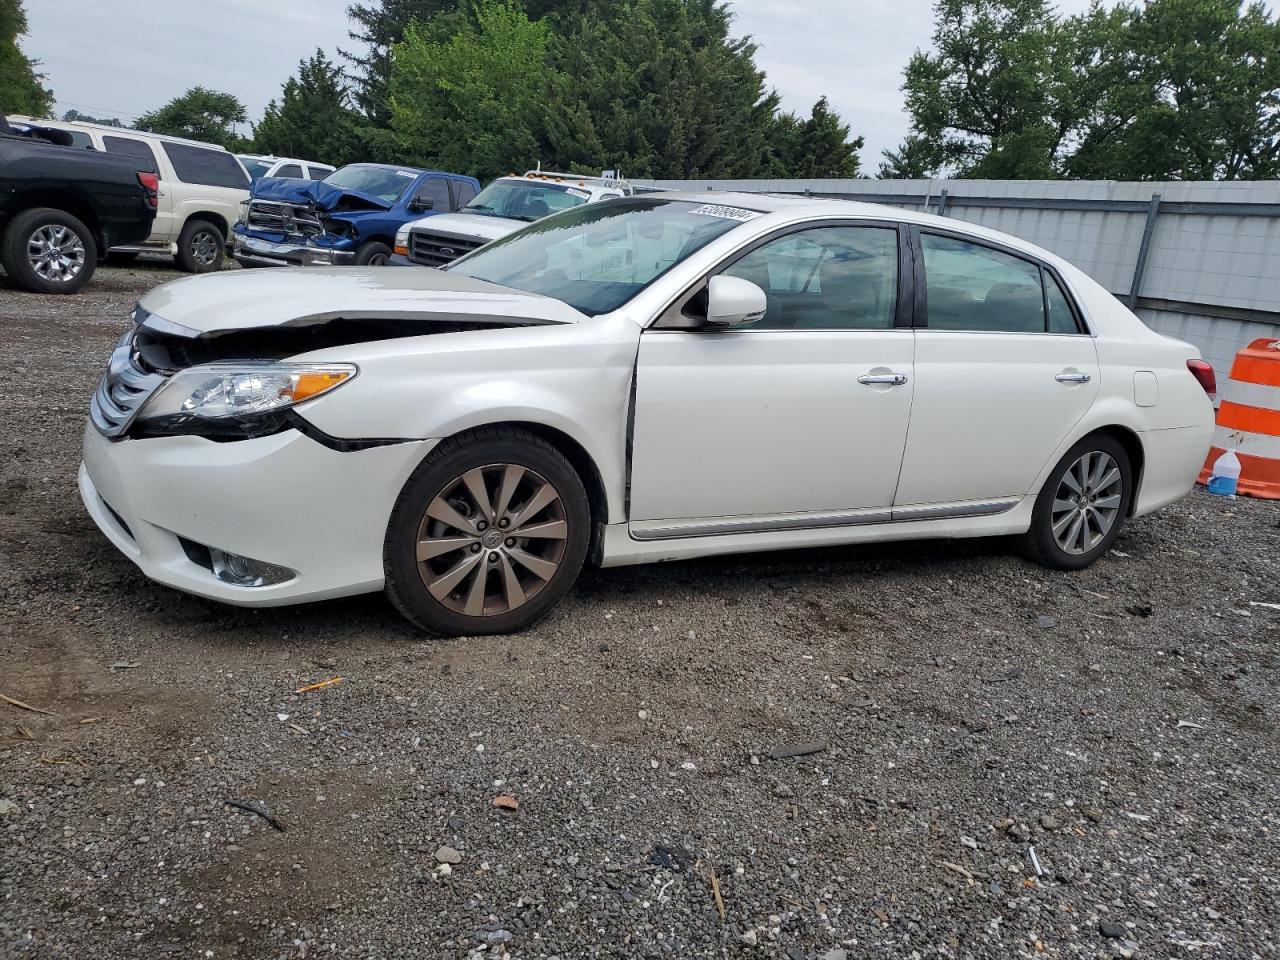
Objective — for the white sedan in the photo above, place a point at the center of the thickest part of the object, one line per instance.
(637, 380)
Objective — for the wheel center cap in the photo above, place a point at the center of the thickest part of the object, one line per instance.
(492, 539)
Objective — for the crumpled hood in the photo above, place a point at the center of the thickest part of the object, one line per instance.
(323, 195)
(245, 299)
(476, 226)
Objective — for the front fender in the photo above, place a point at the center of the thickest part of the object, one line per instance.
(572, 378)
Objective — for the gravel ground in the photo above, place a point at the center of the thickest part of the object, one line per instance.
(1008, 761)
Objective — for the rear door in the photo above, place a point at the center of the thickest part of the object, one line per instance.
(162, 230)
(1004, 371)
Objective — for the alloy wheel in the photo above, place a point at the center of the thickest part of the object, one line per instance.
(204, 248)
(56, 253)
(492, 539)
(1087, 502)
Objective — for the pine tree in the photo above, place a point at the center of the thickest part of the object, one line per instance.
(379, 26)
(313, 119)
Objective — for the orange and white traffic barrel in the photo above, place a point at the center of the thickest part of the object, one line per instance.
(1249, 420)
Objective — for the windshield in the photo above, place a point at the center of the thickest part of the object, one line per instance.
(522, 200)
(597, 257)
(256, 168)
(385, 183)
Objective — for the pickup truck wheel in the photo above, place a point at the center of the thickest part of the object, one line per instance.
(373, 254)
(201, 247)
(488, 534)
(48, 251)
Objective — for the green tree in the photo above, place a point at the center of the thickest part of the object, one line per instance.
(199, 114)
(378, 26)
(987, 96)
(817, 147)
(313, 119)
(21, 89)
(467, 89)
(915, 159)
(659, 88)
(1197, 98)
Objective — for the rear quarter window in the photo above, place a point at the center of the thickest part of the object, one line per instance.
(210, 168)
(129, 147)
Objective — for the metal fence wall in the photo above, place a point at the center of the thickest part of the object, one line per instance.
(1198, 261)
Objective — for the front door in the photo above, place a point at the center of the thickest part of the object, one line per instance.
(1004, 370)
(802, 412)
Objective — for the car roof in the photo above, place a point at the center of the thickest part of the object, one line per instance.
(399, 166)
(816, 207)
(116, 131)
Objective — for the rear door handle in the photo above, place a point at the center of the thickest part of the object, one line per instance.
(893, 379)
(1073, 378)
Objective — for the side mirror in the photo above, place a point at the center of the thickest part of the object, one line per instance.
(418, 204)
(732, 300)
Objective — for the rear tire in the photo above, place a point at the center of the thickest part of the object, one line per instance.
(1082, 506)
(44, 250)
(374, 253)
(201, 247)
(501, 522)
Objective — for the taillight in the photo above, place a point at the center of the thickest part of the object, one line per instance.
(150, 183)
(1203, 372)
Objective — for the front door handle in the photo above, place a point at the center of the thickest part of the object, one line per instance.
(1073, 378)
(893, 379)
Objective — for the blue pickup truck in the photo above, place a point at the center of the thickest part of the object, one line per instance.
(349, 217)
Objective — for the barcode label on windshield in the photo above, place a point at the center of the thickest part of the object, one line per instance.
(725, 213)
(580, 194)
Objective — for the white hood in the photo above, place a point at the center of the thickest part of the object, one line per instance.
(473, 226)
(243, 299)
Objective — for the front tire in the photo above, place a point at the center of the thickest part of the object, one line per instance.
(48, 251)
(373, 254)
(488, 534)
(201, 247)
(1082, 506)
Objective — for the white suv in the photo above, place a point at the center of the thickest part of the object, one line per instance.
(265, 166)
(503, 207)
(201, 188)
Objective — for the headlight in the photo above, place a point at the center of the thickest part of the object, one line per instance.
(402, 241)
(226, 394)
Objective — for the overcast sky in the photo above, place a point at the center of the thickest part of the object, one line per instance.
(121, 58)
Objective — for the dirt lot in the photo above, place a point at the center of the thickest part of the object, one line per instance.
(1011, 762)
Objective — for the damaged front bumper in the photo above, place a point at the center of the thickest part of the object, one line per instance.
(254, 251)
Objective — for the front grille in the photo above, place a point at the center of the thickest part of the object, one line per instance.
(437, 249)
(290, 219)
(122, 391)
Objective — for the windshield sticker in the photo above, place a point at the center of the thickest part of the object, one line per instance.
(406, 173)
(725, 213)
(580, 194)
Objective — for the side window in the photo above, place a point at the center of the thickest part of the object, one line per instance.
(293, 170)
(1061, 319)
(80, 140)
(211, 168)
(463, 192)
(131, 148)
(435, 189)
(972, 287)
(318, 173)
(828, 278)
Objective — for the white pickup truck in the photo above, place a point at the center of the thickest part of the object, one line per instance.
(504, 206)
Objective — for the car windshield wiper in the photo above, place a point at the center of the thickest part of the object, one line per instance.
(479, 208)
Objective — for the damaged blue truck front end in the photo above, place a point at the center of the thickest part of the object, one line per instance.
(348, 218)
